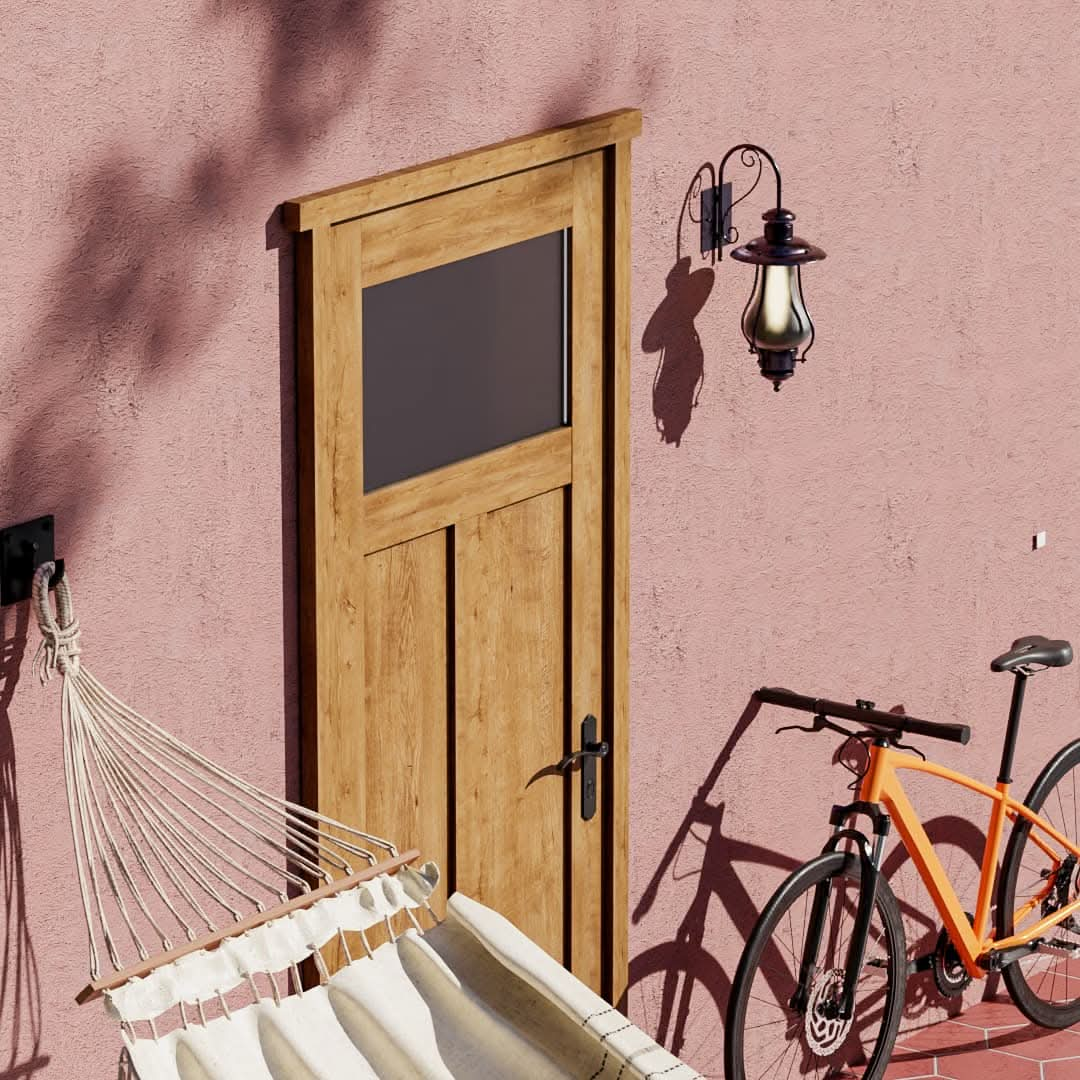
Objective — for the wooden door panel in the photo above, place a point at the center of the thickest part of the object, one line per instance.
(406, 709)
(510, 655)
(458, 625)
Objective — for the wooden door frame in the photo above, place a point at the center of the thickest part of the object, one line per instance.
(332, 531)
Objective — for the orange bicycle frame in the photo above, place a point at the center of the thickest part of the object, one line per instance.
(881, 784)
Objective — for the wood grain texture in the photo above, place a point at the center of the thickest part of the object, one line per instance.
(209, 942)
(586, 622)
(509, 642)
(460, 170)
(406, 708)
(416, 237)
(466, 488)
(331, 583)
(457, 626)
(618, 162)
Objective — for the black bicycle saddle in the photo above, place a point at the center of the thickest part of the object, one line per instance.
(1035, 649)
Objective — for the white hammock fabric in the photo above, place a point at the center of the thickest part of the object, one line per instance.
(169, 844)
(472, 997)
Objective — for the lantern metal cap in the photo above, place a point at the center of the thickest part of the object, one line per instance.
(779, 246)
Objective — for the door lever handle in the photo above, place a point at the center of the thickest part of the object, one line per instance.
(591, 749)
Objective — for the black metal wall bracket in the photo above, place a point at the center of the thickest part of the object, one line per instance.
(715, 217)
(23, 548)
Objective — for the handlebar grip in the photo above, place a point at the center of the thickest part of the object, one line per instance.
(776, 695)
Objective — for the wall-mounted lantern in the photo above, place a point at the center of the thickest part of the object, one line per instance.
(775, 321)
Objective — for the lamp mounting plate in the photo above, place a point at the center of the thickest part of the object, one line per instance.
(715, 214)
(23, 548)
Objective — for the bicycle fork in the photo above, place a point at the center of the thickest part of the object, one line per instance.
(870, 856)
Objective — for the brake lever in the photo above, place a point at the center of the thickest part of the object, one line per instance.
(907, 746)
(821, 723)
(796, 727)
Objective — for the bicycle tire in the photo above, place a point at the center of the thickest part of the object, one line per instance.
(1033, 981)
(845, 869)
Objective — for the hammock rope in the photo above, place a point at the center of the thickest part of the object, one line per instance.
(162, 834)
(171, 847)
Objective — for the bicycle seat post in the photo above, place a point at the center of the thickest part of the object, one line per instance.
(1011, 732)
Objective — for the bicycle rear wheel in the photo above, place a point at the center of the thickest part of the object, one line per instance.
(766, 1037)
(1045, 987)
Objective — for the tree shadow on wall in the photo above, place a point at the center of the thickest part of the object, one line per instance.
(145, 282)
(142, 286)
(678, 990)
(20, 987)
(671, 333)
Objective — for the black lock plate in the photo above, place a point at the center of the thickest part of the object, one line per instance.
(23, 548)
(588, 766)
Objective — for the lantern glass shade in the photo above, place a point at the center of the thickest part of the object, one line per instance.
(775, 319)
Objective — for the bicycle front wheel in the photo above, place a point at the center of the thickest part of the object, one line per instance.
(769, 1033)
(1045, 986)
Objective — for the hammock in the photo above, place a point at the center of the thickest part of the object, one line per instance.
(204, 895)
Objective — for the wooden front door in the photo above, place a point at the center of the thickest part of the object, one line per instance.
(462, 526)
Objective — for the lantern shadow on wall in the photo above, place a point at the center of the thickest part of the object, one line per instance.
(670, 332)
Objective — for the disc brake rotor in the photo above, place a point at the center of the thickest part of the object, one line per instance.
(825, 1029)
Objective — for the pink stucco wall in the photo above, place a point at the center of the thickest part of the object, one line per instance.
(866, 531)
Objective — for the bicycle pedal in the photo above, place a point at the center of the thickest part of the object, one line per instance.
(1057, 947)
(921, 963)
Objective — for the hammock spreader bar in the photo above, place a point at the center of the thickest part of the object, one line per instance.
(211, 941)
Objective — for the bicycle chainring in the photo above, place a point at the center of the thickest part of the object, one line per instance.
(824, 1028)
(950, 975)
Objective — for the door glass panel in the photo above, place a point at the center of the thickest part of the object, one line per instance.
(464, 358)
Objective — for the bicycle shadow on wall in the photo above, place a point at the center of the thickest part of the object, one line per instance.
(678, 990)
(20, 986)
(672, 335)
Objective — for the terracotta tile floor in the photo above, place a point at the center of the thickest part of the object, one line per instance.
(989, 1041)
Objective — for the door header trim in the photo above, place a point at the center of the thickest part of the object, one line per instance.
(334, 205)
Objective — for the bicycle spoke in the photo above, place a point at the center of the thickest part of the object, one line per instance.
(794, 1058)
(768, 1023)
(767, 1071)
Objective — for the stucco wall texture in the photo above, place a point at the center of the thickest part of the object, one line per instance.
(866, 531)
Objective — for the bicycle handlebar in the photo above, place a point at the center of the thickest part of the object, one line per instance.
(775, 695)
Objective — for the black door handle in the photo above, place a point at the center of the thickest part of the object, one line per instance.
(590, 750)
(599, 749)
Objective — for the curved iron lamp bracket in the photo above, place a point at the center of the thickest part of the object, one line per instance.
(716, 202)
(704, 181)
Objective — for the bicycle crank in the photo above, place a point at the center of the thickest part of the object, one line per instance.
(950, 975)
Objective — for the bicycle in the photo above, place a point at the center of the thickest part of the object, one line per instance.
(826, 959)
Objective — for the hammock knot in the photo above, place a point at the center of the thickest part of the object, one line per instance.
(60, 645)
(59, 651)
